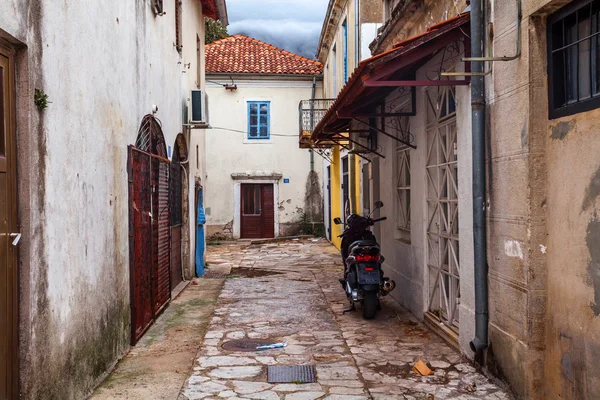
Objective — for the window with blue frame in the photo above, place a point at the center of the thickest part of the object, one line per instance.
(345, 31)
(259, 120)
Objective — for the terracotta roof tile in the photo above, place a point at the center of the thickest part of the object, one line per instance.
(241, 54)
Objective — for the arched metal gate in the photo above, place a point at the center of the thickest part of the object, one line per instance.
(149, 227)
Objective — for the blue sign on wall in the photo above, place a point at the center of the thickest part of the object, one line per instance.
(286, 180)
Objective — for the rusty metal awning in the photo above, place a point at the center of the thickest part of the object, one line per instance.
(376, 77)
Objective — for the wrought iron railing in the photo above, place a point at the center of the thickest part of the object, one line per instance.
(310, 113)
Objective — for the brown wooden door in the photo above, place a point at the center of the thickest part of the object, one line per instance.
(8, 235)
(257, 211)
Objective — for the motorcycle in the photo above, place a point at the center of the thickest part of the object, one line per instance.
(363, 280)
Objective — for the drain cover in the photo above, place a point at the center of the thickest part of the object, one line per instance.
(245, 344)
(292, 374)
(214, 275)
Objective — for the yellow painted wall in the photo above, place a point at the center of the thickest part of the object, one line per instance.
(336, 196)
(355, 177)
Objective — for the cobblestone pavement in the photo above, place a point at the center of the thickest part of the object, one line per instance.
(290, 293)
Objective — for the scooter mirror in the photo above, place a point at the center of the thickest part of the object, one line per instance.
(337, 221)
(378, 204)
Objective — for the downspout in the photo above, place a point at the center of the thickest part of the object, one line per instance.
(478, 108)
(356, 32)
(312, 122)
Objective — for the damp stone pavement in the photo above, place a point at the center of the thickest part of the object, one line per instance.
(289, 292)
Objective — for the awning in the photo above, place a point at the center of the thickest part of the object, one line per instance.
(375, 78)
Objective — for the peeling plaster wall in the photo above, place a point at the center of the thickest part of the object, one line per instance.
(103, 66)
(573, 258)
(231, 152)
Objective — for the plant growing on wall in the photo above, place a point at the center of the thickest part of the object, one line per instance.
(214, 30)
(40, 99)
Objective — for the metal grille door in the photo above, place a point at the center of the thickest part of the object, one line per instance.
(442, 207)
(161, 234)
(140, 228)
(150, 239)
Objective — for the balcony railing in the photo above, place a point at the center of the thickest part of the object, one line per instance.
(310, 113)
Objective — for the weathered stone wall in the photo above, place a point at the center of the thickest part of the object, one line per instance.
(413, 17)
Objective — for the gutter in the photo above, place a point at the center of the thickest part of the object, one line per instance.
(356, 32)
(250, 76)
(478, 109)
(222, 11)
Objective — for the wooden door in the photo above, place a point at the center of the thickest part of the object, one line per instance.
(257, 211)
(9, 236)
(268, 212)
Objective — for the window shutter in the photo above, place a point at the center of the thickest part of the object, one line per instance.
(178, 29)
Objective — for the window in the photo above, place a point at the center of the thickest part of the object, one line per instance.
(574, 58)
(334, 69)
(372, 138)
(251, 199)
(259, 120)
(178, 29)
(402, 184)
(346, 187)
(345, 49)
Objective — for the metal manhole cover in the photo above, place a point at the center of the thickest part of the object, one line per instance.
(214, 275)
(291, 374)
(245, 344)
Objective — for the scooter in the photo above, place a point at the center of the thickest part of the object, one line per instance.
(363, 280)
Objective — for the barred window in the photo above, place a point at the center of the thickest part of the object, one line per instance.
(574, 58)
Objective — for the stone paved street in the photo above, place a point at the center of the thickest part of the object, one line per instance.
(288, 292)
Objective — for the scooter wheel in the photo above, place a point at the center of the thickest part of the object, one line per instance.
(369, 305)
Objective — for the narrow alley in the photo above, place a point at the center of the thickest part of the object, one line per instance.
(288, 292)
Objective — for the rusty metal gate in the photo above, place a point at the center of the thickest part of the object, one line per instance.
(149, 227)
(176, 209)
(161, 234)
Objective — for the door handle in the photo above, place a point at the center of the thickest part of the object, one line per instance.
(17, 237)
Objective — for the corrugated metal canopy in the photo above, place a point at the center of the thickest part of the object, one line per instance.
(370, 81)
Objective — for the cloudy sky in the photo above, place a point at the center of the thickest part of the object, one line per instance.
(294, 25)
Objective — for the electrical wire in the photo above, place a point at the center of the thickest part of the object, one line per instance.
(245, 132)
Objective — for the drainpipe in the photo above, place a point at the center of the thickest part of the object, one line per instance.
(356, 32)
(480, 342)
(312, 122)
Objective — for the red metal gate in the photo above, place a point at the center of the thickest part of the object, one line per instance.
(161, 234)
(150, 240)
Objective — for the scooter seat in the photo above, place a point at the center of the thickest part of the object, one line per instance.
(365, 243)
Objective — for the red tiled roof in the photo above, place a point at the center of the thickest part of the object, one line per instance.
(240, 54)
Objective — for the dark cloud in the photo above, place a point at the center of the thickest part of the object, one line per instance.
(293, 25)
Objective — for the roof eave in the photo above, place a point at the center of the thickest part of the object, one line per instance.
(264, 75)
(222, 11)
(326, 29)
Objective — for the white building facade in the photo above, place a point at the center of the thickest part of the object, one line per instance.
(261, 184)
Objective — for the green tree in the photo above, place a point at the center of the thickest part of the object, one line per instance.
(214, 30)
